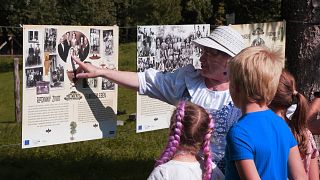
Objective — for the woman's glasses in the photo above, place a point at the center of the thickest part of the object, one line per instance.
(212, 52)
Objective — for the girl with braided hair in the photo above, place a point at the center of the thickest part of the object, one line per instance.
(287, 95)
(187, 153)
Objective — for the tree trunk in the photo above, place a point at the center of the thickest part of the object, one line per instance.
(303, 44)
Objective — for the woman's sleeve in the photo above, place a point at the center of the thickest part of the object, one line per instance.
(167, 87)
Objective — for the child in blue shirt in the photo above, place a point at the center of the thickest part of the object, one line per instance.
(260, 145)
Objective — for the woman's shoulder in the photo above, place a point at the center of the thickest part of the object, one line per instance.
(189, 73)
(189, 67)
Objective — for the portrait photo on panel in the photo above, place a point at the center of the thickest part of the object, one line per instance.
(107, 85)
(34, 55)
(95, 43)
(108, 42)
(50, 40)
(33, 75)
(75, 40)
(33, 36)
(56, 72)
(42, 87)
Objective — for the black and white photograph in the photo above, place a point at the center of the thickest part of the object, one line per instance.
(34, 55)
(90, 83)
(146, 41)
(145, 63)
(42, 87)
(50, 40)
(75, 40)
(56, 72)
(108, 42)
(33, 75)
(95, 43)
(167, 48)
(33, 36)
(107, 85)
(257, 33)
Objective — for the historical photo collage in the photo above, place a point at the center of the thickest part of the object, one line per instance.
(169, 47)
(48, 64)
(58, 107)
(165, 48)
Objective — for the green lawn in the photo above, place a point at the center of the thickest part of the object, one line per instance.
(6, 97)
(127, 156)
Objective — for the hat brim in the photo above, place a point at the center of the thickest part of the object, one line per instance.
(209, 43)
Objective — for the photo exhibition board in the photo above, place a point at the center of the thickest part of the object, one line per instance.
(271, 34)
(153, 51)
(58, 108)
(165, 48)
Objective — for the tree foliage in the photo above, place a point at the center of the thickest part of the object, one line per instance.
(130, 13)
(136, 12)
(155, 12)
(196, 11)
(254, 11)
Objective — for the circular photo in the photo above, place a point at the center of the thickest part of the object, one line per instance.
(75, 40)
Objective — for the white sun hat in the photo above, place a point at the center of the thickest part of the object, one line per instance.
(223, 38)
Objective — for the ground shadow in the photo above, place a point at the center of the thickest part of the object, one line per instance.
(89, 168)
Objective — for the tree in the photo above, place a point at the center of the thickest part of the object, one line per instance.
(303, 43)
(66, 12)
(196, 11)
(34, 12)
(156, 12)
(254, 11)
(96, 12)
(7, 8)
(218, 17)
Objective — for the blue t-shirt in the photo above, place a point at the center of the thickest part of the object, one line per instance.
(263, 137)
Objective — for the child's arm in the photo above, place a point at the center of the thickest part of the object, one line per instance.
(295, 166)
(314, 123)
(247, 169)
(314, 169)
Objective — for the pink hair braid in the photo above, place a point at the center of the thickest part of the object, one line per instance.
(174, 137)
(206, 150)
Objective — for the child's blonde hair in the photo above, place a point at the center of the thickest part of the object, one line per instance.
(255, 72)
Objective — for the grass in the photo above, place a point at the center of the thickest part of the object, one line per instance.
(6, 97)
(6, 88)
(127, 156)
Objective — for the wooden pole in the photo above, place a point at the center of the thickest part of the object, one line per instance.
(11, 41)
(17, 90)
